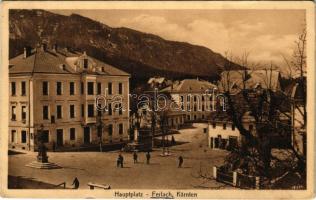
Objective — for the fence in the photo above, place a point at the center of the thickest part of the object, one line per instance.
(236, 179)
(247, 182)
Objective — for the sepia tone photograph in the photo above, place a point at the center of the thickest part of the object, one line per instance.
(158, 102)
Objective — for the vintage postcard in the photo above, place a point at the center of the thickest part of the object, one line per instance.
(163, 100)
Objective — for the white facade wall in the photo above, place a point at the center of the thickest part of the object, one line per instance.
(193, 105)
(34, 100)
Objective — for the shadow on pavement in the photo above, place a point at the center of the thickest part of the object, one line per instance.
(10, 152)
(20, 182)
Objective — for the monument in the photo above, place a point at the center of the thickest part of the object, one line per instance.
(42, 158)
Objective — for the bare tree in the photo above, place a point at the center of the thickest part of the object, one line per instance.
(266, 106)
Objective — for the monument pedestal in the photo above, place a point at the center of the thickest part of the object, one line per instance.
(42, 160)
(43, 165)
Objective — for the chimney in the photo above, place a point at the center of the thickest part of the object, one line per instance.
(26, 52)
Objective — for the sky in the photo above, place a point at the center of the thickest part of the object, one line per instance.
(265, 34)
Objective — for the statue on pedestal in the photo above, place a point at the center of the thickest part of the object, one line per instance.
(42, 150)
(42, 158)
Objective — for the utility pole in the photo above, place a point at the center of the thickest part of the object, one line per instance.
(100, 111)
(100, 128)
(154, 117)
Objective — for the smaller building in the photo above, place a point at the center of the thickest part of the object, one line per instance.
(235, 81)
(223, 134)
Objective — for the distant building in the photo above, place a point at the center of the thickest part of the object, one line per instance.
(193, 96)
(159, 82)
(57, 88)
(222, 132)
(236, 80)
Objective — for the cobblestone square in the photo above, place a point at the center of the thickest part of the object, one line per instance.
(100, 167)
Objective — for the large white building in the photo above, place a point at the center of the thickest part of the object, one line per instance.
(57, 89)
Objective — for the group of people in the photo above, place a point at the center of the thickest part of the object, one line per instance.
(135, 157)
(120, 159)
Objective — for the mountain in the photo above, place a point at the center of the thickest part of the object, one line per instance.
(140, 54)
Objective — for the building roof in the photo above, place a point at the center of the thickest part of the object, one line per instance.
(57, 62)
(156, 80)
(189, 85)
(233, 80)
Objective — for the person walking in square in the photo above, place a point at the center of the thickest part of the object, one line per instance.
(148, 158)
(121, 160)
(135, 157)
(118, 161)
(76, 183)
(173, 141)
(180, 161)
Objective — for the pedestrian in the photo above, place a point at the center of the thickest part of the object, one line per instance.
(148, 157)
(121, 160)
(76, 183)
(118, 161)
(180, 161)
(135, 157)
(54, 146)
(173, 141)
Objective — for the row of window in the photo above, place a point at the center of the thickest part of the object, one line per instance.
(72, 133)
(90, 107)
(14, 136)
(250, 128)
(196, 107)
(196, 98)
(23, 88)
(194, 117)
(90, 88)
(224, 126)
(59, 111)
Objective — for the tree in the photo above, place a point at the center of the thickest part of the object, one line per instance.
(266, 106)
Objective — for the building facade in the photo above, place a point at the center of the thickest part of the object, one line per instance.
(57, 89)
(223, 134)
(194, 97)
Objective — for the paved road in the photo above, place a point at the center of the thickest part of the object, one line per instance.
(100, 167)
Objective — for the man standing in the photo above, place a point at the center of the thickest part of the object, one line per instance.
(180, 161)
(148, 157)
(135, 157)
(75, 183)
(118, 161)
(121, 160)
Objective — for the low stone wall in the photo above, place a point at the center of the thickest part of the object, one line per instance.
(236, 179)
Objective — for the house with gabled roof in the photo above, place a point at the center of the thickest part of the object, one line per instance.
(236, 80)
